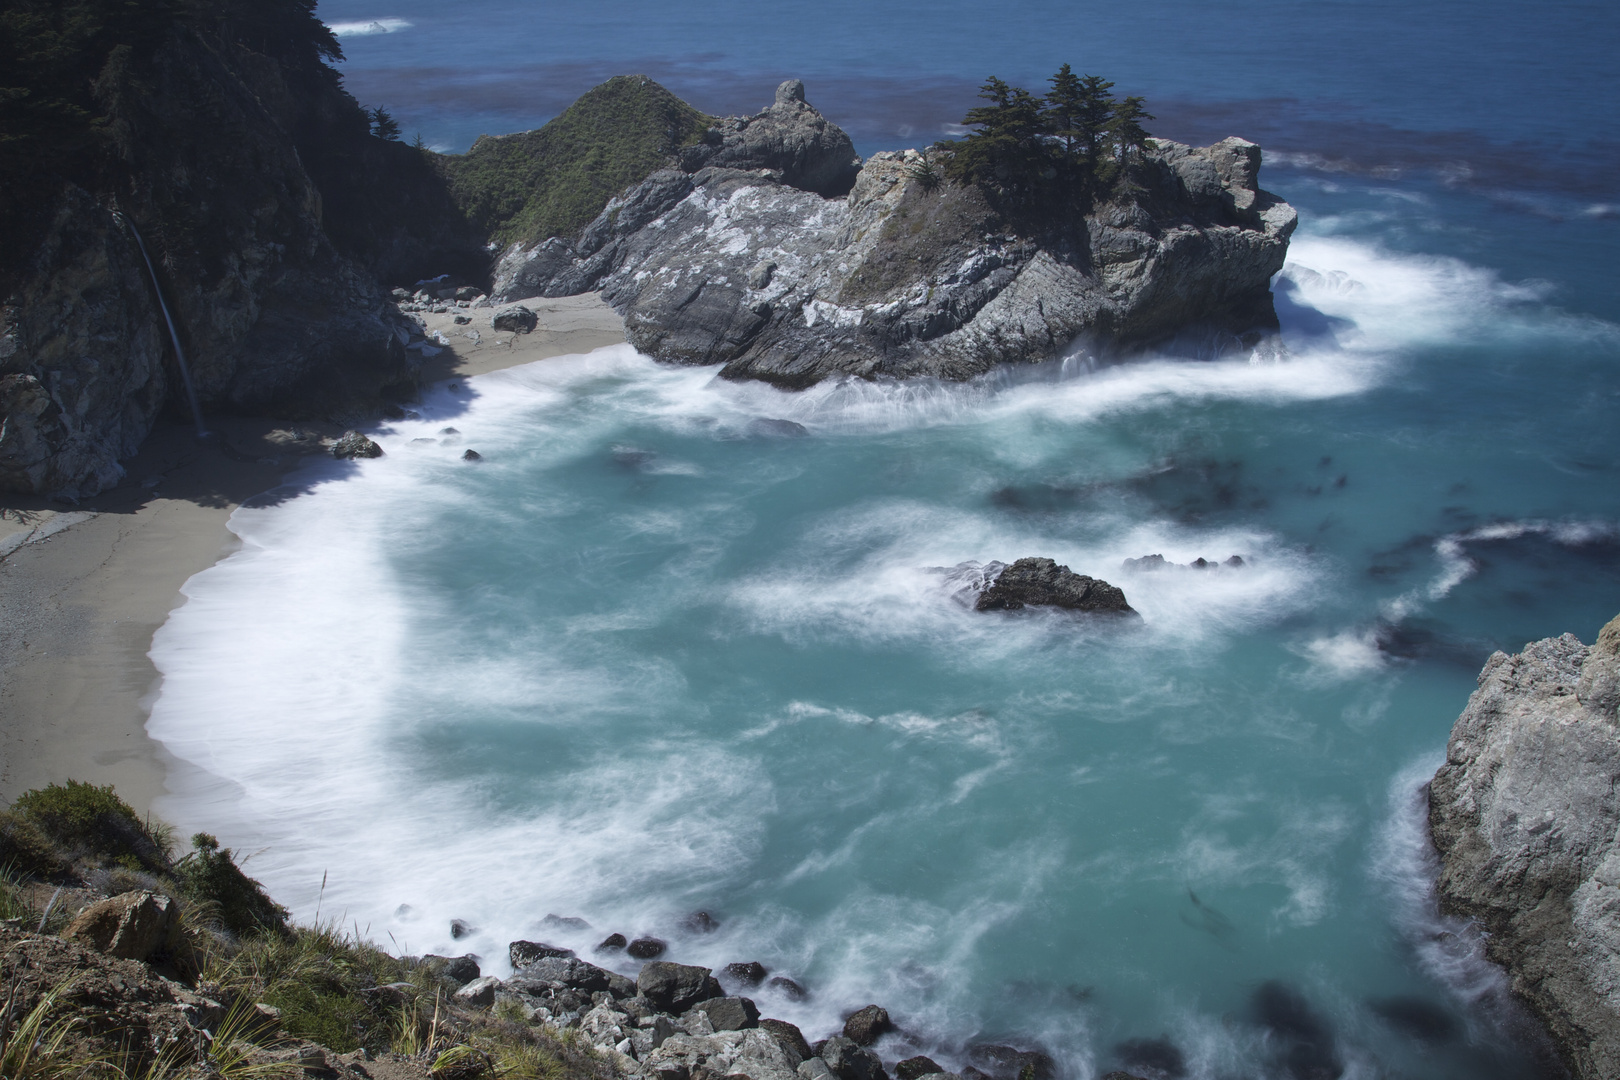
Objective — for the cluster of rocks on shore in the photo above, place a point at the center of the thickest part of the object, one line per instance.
(680, 1022)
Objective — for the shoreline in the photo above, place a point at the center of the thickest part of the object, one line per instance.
(84, 588)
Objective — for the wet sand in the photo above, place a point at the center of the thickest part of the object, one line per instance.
(83, 588)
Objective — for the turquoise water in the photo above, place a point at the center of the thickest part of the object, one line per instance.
(645, 660)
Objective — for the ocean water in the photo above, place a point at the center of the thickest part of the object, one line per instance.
(647, 659)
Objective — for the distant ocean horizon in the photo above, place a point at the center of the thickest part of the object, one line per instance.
(642, 662)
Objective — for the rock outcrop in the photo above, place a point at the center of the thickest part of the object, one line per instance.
(789, 138)
(740, 258)
(1038, 582)
(269, 214)
(1525, 815)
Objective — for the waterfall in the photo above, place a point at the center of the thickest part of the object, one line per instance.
(168, 319)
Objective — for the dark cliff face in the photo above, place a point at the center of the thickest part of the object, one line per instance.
(269, 212)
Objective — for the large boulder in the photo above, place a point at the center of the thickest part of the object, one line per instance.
(866, 1026)
(560, 971)
(355, 445)
(480, 992)
(1038, 582)
(461, 969)
(674, 988)
(790, 1038)
(130, 926)
(849, 1061)
(1524, 814)
(524, 953)
(729, 1013)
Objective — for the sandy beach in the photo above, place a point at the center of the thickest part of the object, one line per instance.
(83, 588)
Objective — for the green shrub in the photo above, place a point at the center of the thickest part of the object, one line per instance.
(87, 819)
(554, 181)
(26, 849)
(210, 876)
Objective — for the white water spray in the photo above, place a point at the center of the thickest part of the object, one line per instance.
(168, 319)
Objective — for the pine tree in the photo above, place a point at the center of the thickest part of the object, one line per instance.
(384, 126)
(1008, 151)
(1094, 112)
(1065, 106)
(1126, 127)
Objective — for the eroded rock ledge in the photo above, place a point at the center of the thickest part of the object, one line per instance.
(1524, 814)
(740, 258)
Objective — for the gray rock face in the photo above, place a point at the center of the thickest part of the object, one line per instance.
(524, 953)
(560, 971)
(480, 993)
(1042, 582)
(729, 1013)
(734, 264)
(789, 138)
(1524, 814)
(676, 987)
(790, 1038)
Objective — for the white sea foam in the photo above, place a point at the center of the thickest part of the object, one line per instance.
(1451, 951)
(346, 714)
(368, 27)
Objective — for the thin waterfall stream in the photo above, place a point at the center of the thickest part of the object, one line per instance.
(168, 319)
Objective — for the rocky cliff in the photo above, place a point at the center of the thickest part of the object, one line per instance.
(746, 256)
(1525, 815)
(269, 212)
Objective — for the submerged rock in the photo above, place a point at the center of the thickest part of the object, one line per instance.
(646, 948)
(1524, 816)
(788, 988)
(751, 973)
(1043, 583)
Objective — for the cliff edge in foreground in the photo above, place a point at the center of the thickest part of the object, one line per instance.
(1524, 814)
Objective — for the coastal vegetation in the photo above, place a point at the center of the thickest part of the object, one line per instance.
(274, 994)
(1066, 146)
(554, 180)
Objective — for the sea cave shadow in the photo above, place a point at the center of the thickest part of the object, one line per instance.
(1301, 323)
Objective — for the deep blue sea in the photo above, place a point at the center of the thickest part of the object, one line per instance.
(640, 663)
